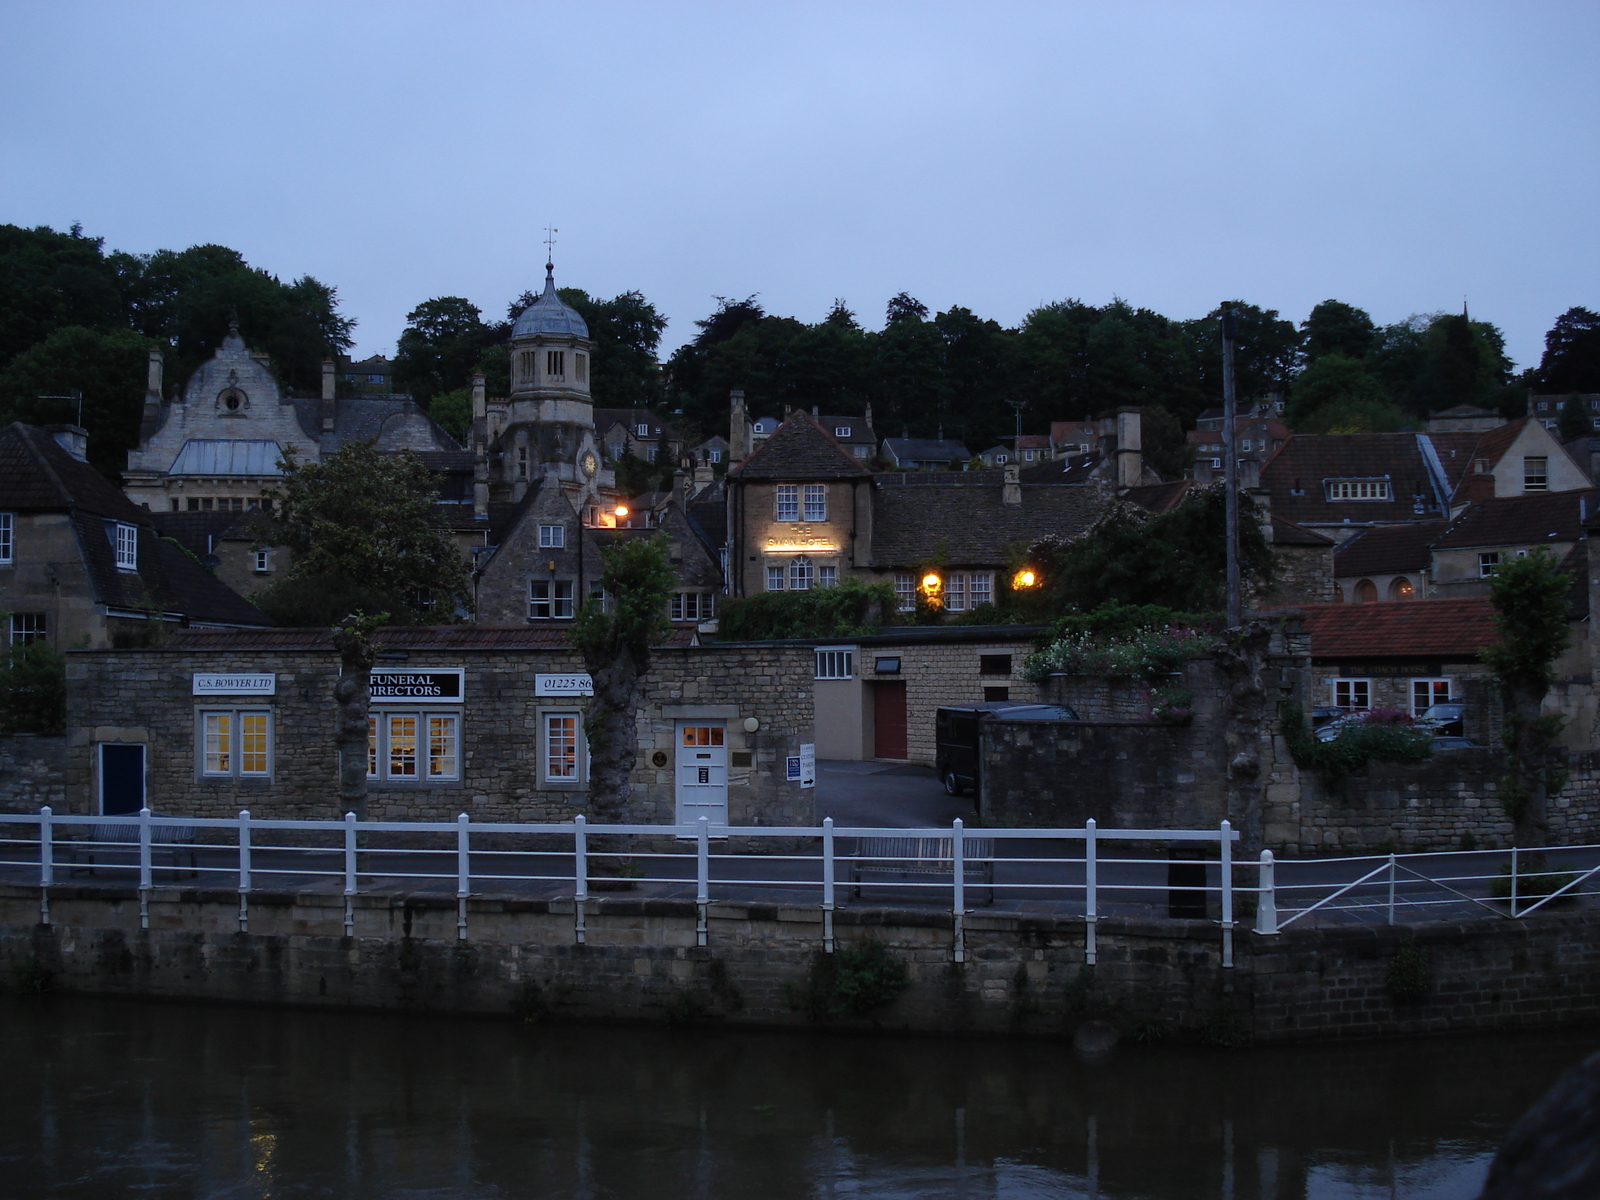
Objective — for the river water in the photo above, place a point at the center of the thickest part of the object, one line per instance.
(109, 1098)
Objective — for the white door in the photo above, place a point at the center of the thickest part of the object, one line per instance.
(702, 766)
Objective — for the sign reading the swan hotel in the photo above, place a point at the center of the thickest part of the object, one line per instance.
(407, 685)
(235, 685)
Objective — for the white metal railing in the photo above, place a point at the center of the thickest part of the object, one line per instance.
(249, 851)
(1511, 884)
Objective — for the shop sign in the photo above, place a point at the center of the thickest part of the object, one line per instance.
(574, 683)
(406, 685)
(235, 685)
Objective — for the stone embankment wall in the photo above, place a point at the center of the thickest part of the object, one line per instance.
(1023, 975)
(35, 770)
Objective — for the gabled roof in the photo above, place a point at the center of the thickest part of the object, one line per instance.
(1287, 533)
(857, 429)
(38, 475)
(631, 419)
(973, 526)
(926, 449)
(1400, 628)
(800, 449)
(1160, 497)
(1531, 520)
(1068, 469)
(1387, 549)
(1305, 461)
(1492, 445)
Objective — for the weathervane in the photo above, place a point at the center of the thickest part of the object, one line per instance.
(550, 232)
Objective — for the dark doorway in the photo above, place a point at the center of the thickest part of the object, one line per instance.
(121, 778)
(888, 718)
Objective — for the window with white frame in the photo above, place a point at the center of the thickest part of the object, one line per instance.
(1428, 691)
(715, 456)
(788, 502)
(1488, 563)
(555, 364)
(1000, 459)
(816, 502)
(236, 743)
(8, 534)
(774, 579)
(641, 431)
(827, 577)
(955, 592)
(414, 747)
(905, 591)
(1029, 455)
(1216, 464)
(692, 606)
(522, 462)
(980, 588)
(800, 575)
(27, 627)
(841, 431)
(127, 547)
(549, 599)
(1535, 473)
(834, 662)
(1358, 489)
(552, 537)
(1352, 693)
(263, 561)
(563, 757)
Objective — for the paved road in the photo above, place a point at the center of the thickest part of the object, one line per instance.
(875, 794)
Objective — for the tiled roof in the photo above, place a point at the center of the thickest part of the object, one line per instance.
(1385, 549)
(1074, 469)
(1492, 445)
(1521, 520)
(1306, 460)
(168, 578)
(857, 429)
(800, 449)
(1400, 628)
(972, 526)
(1160, 497)
(421, 638)
(926, 449)
(36, 474)
(198, 532)
(1287, 533)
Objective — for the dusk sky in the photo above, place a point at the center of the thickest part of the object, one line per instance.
(1398, 156)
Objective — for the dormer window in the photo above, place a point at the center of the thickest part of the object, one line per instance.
(127, 547)
(841, 431)
(1357, 489)
(642, 431)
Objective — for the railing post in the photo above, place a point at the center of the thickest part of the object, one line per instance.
(244, 870)
(1391, 889)
(1513, 881)
(144, 868)
(702, 876)
(1090, 915)
(580, 873)
(463, 873)
(349, 874)
(47, 863)
(958, 871)
(1227, 894)
(827, 885)
(1266, 897)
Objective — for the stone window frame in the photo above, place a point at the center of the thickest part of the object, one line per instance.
(827, 576)
(541, 716)
(8, 537)
(802, 573)
(816, 501)
(555, 364)
(380, 754)
(552, 537)
(24, 627)
(559, 606)
(1417, 682)
(235, 734)
(1351, 689)
(786, 502)
(776, 579)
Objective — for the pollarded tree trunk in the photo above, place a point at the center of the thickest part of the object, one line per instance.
(1530, 743)
(611, 727)
(353, 639)
(1239, 658)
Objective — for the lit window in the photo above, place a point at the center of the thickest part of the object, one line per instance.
(905, 592)
(1352, 693)
(799, 573)
(1358, 489)
(1402, 589)
(1535, 474)
(555, 364)
(955, 593)
(552, 537)
(8, 527)
(788, 502)
(549, 599)
(127, 547)
(27, 627)
(834, 662)
(561, 747)
(1488, 563)
(774, 579)
(236, 743)
(1425, 692)
(414, 746)
(816, 502)
(827, 577)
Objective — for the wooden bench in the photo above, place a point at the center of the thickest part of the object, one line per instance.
(925, 860)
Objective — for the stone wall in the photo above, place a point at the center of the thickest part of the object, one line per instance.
(950, 673)
(144, 696)
(1023, 974)
(35, 770)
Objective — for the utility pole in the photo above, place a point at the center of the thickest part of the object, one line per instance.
(1230, 468)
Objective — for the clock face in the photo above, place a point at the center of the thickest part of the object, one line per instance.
(588, 463)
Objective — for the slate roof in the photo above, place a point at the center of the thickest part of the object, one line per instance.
(1161, 497)
(37, 475)
(1306, 460)
(168, 580)
(1531, 520)
(362, 418)
(1492, 445)
(857, 429)
(971, 525)
(199, 532)
(631, 419)
(1287, 533)
(925, 450)
(1074, 469)
(1400, 628)
(800, 449)
(1387, 549)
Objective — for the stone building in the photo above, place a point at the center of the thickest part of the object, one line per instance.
(485, 721)
(81, 564)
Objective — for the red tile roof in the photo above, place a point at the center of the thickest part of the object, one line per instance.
(1400, 628)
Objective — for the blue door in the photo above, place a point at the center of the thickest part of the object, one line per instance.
(121, 778)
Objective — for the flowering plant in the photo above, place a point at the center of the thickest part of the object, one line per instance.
(1143, 654)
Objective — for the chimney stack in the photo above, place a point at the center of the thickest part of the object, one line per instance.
(1011, 490)
(1130, 454)
(152, 397)
(738, 427)
(329, 392)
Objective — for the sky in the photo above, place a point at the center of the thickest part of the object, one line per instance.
(1402, 157)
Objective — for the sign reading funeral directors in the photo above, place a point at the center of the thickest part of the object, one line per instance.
(408, 685)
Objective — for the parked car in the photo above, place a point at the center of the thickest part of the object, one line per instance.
(1443, 720)
(956, 736)
(1322, 714)
(1450, 742)
(1331, 728)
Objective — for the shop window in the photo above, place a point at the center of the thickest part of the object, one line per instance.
(1428, 691)
(414, 747)
(563, 754)
(550, 599)
(1352, 693)
(236, 743)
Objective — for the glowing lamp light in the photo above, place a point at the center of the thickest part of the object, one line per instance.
(1024, 579)
(622, 510)
(930, 583)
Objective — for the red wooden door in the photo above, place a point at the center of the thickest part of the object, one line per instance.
(889, 719)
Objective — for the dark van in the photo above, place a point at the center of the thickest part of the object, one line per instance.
(956, 736)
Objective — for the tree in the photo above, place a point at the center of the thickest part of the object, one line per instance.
(33, 689)
(442, 344)
(1265, 356)
(1339, 394)
(365, 535)
(1571, 360)
(50, 280)
(453, 412)
(1575, 420)
(1529, 595)
(626, 331)
(852, 609)
(354, 639)
(637, 579)
(1335, 327)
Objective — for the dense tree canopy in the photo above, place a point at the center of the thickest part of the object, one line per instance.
(1571, 361)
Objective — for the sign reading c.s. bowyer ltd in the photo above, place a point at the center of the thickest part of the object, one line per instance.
(234, 685)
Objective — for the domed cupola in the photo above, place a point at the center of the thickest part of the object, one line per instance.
(549, 314)
(550, 350)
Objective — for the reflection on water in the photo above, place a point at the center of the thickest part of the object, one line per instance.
(110, 1098)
